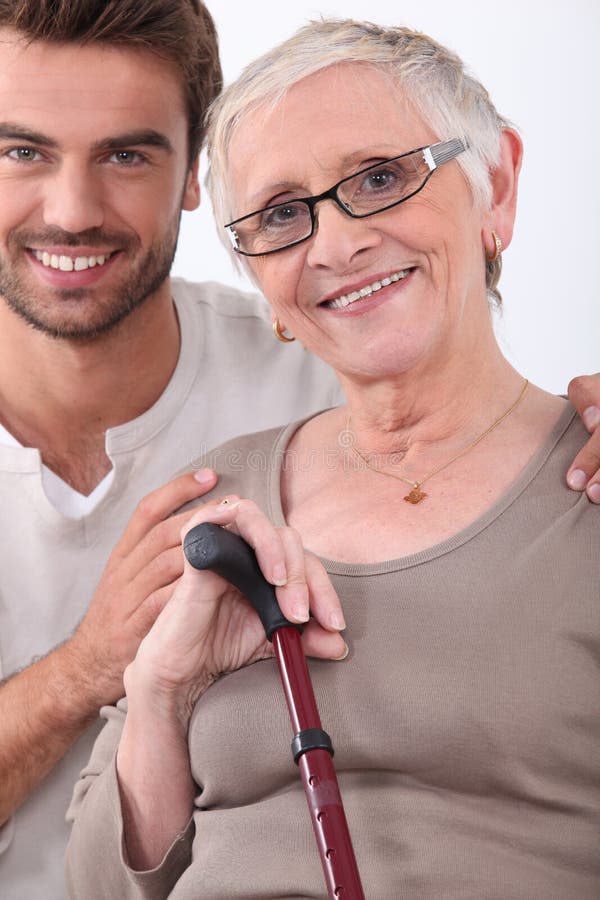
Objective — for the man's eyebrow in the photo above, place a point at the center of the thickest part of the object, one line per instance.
(142, 137)
(13, 132)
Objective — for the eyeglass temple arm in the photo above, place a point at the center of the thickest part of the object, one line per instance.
(438, 154)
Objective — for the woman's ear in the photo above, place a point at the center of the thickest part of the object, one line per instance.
(500, 217)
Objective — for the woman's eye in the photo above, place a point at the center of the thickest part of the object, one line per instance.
(281, 216)
(382, 179)
(379, 179)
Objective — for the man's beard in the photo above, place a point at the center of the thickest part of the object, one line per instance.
(111, 306)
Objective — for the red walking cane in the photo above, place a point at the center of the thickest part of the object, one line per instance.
(209, 546)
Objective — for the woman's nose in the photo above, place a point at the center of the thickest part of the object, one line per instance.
(339, 238)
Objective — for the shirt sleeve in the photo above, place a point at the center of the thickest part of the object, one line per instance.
(96, 864)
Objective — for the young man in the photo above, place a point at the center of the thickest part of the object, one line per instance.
(112, 378)
(109, 375)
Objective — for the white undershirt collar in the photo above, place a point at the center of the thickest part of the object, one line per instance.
(69, 502)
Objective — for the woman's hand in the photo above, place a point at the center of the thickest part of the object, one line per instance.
(584, 472)
(205, 629)
(208, 628)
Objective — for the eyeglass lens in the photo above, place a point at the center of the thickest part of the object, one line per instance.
(369, 191)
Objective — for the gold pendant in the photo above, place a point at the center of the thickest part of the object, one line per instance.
(415, 496)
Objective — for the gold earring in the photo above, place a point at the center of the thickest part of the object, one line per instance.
(277, 331)
(497, 249)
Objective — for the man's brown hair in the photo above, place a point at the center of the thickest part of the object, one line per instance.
(179, 31)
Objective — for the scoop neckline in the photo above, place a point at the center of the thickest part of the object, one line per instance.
(336, 567)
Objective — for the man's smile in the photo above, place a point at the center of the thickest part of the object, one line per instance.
(67, 263)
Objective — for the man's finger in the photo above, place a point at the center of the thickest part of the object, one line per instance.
(158, 505)
(584, 473)
(163, 570)
(153, 605)
(593, 489)
(584, 394)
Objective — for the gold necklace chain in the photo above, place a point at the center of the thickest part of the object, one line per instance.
(416, 495)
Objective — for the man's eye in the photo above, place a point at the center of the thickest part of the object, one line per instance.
(127, 157)
(24, 154)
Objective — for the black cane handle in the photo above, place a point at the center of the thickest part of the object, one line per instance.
(211, 547)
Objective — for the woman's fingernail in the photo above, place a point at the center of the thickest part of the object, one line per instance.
(591, 417)
(577, 480)
(204, 476)
(300, 612)
(279, 575)
(593, 492)
(337, 621)
(344, 654)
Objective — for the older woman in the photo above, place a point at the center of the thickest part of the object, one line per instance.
(370, 187)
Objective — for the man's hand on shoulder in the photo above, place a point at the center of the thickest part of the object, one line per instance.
(584, 472)
(139, 578)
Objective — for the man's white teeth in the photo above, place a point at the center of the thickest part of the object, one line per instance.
(69, 263)
(367, 290)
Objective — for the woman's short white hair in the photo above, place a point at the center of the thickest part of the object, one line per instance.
(450, 101)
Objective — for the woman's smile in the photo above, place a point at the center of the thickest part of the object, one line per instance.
(361, 292)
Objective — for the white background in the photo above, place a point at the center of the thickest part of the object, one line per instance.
(540, 62)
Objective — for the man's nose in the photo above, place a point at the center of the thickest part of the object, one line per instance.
(73, 199)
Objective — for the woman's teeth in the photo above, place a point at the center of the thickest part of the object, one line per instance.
(366, 291)
(70, 263)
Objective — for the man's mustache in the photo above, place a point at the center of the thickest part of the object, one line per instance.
(94, 237)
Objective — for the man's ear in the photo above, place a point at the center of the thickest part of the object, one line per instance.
(191, 193)
(505, 179)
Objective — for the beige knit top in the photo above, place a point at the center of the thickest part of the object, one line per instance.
(465, 720)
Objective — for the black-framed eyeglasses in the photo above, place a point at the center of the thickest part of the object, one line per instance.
(370, 191)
